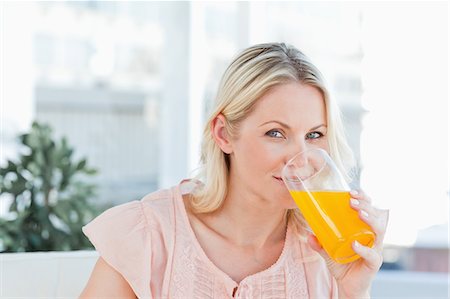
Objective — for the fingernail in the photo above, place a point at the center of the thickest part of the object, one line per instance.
(354, 192)
(357, 244)
(354, 202)
(364, 214)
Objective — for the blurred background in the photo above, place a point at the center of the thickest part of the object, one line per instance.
(129, 84)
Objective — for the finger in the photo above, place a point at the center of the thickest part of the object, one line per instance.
(374, 224)
(365, 210)
(372, 258)
(361, 205)
(365, 205)
(377, 219)
(381, 227)
(360, 195)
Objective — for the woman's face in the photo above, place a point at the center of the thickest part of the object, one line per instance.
(288, 119)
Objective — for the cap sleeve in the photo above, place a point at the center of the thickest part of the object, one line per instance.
(122, 238)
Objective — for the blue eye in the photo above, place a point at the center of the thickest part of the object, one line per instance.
(275, 134)
(314, 135)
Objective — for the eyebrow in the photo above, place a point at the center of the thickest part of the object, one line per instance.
(316, 127)
(287, 126)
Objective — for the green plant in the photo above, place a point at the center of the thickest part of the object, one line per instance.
(46, 194)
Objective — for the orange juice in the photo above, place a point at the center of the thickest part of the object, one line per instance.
(334, 222)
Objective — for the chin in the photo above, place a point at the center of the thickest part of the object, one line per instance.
(287, 202)
(292, 205)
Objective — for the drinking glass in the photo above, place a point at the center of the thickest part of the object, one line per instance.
(323, 197)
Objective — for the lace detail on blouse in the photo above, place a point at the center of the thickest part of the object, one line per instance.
(296, 277)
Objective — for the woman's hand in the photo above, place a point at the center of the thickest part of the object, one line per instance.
(354, 279)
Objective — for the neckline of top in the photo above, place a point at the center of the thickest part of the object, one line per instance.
(179, 201)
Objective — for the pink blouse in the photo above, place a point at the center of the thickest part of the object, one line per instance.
(152, 245)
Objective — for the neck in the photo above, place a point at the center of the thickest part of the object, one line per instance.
(248, 221)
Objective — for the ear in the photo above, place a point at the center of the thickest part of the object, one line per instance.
(220, 134)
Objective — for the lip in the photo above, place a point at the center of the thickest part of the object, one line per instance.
(278, 179)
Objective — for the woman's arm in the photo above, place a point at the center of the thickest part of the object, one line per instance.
(105, 282)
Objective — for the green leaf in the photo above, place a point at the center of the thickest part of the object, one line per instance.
(46, 168)
(90, 171)
(81, 165)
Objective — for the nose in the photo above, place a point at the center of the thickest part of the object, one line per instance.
(295, 147)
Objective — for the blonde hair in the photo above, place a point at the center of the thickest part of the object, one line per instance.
(251, 74)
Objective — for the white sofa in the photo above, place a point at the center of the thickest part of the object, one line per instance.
(64, 274)
(45, 274)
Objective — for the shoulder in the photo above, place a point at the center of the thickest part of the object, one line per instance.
(155, 211)
(160, 208)
(165, 204)
(133, 237)
(160, 200)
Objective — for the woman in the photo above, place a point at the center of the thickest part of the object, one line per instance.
(237, 233)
